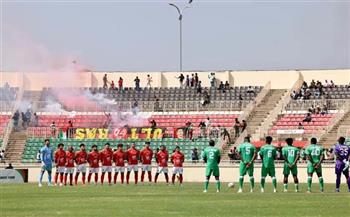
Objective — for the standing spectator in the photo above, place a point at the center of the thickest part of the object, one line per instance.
(135, 107)
(35, 121)
(196, 80)
(112, 85)
(181, 79)
(194, 155)
(232, 154)
(38, 154)
(189, 130)
(16, 119)
(237, 126)
(9, 167)
(187, 80)
(202, 129)
(324, 109)
(192, 80)
(227, 85)
(108, 120)
(53, 129)
(28, 115)
(24, 120)
(137, 83)
(2, 156)
(199, 87)
(208, 125)
(70, 129)
(243, 125)
(153, 125)
(149, 81)
(206, 98)
(221, 86)
(120, 84)
(212, 80)
(105, 80)
(332, 85)
(224, 133)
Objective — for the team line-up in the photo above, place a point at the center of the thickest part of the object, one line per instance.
(66, 162)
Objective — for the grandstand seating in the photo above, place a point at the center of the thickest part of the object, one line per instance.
(338, 92)
(33, 145)
(4, 120)
(291, 121)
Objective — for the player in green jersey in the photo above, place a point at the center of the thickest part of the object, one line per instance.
(211, 156)
(247, 155)
(268, 155)
(314, 155)
(291, 156)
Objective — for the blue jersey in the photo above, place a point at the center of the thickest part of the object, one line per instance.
(46, 155)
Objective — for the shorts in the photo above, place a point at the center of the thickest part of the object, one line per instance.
(60, 169)
(107, 169)
(243, 170)
(268, 171)
(94, 170)
(81, 168)
(118, 169)
(162, 170)
(287, 170)
(147, 167)
(311, 169)
(178, 170)
(134, 168)
(339, 168)
(46, 168)
(69, 170)
(212, 170)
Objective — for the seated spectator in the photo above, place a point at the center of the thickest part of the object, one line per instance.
(318, 110)
(330, 154)
(294, 95)
(300, 126)
(332, 85)
(308, 118)
(312, 84)
(9, 167)
(312, 109)
(324, 110)
(326, 83)
(250, 90)
(227, 85)
(195, 155)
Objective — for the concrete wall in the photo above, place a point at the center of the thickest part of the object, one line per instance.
(279, 79)
(227, 174)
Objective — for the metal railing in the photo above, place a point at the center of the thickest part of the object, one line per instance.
(332, 104)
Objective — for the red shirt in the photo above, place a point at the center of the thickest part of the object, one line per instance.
(133, 156)
(146, 156)
(93, 159)
(118, 158)
(177, 158)
(70, 159)
(106, 156)
(80, 157)
(162, 158)
(60, 158)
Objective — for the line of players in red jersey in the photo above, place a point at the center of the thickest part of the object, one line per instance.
(68, 161)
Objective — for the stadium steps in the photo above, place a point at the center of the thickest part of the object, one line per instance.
(259, 114)
(15, 147)
(331, 138)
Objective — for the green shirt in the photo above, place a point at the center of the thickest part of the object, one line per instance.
(268, 154)
(314, 152)
(246, 150)
(290, 153)
(212, 156)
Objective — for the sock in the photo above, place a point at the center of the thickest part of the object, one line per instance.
(71, 179)
(149, 176)
(49, 176)
(252, 184)
(96, 178)
(166, 177)
(206, 184)
(285, 186)
(76, 178)
(262, 182)
(61, 177)
(109, 178)
(241, 179)
(102, 178)
(274, 182)
(218, 185)
(65, 179)
(56, 178)
(89, 177)
(136, 177)
(122, 177)
(83, 178)
(348, 181)
(41, 177)
(156, 177)
(296, 185)
(320, 179)
(127, 177)
(173, 179)
(309, 182)
(142, 176)
(181, 178)
(337, 182)
(115, 178)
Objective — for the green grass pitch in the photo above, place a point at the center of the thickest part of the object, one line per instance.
(161, 200)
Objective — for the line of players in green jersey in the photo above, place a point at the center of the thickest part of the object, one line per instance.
(247, 153)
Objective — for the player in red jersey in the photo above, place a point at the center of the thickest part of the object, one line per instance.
(177, 159)
(162, 160)
(106, 156)
(60, 161)
(146, 159)
(133, 156)
(80, 160)
(93, 159)
(119, 157)
(70, 156)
